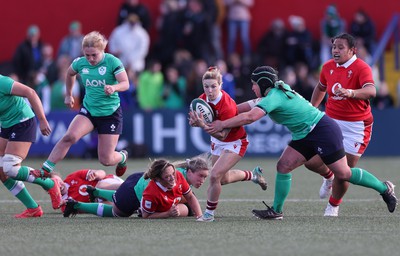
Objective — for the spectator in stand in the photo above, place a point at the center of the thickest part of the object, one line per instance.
(71, 44)
(363, 28)
(304, 84)
(27, 58)
(238, 18)
(130, 42)
(289, 76)
(49, 65)
(228, 81)
(167, 27)
(58, 88)
(194, 81)
(216, 31)
(383, 99)
(42, 87)
(240, 73)
(149, 87)
(299, 42)
(174, 89)
(183, 61)
(271, 49)
(134, 6)
(195, 31)
(331, 25)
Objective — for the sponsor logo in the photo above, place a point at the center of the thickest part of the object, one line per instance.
(82, 190)
(85, 71)
(331, 71)
(334, 88)
(95, 83)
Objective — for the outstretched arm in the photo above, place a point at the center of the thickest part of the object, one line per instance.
(236, 121)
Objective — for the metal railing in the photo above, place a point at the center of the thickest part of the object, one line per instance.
(392, 29)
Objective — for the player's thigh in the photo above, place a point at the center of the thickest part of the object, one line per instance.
(225, 162)
(107, 144)
(79, 127)
(3, 145)
(18, 148)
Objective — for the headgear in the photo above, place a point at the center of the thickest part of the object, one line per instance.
(265, 77)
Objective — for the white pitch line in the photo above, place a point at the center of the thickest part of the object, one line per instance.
(232, 200)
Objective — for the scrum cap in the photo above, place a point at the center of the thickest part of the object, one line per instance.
(265, 77)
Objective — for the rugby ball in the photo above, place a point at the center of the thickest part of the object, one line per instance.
(202, 108)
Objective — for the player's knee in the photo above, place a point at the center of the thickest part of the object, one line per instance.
(11, 164)
(106, 160)
(69, 138)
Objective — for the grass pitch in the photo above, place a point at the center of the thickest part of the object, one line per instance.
(364, 227)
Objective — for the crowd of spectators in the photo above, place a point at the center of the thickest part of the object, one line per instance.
(167, 73)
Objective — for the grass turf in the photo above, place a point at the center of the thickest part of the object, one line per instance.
(364, 227)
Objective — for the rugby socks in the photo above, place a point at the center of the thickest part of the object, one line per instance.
(99, 209)
(248, 175)
(335, 202)
(48, 166)
(17, 188)
(283, 184)
(211, 206)
(24, 175)
(104, 193)
(364, 178)
(328, 176)
(123, 161)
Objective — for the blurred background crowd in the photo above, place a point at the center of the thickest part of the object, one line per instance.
(165, 70)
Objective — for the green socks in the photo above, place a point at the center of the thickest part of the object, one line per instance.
(48, 166)
(99, 209)
(23, 175)
(17, 188)
(104, 193)
(364, 178)
(283, 183)
(123, 161)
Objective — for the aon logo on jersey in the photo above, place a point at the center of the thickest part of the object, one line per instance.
(95, 83)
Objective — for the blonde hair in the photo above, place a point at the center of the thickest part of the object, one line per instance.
(198, 163)
(95, 39)
(213, 73)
